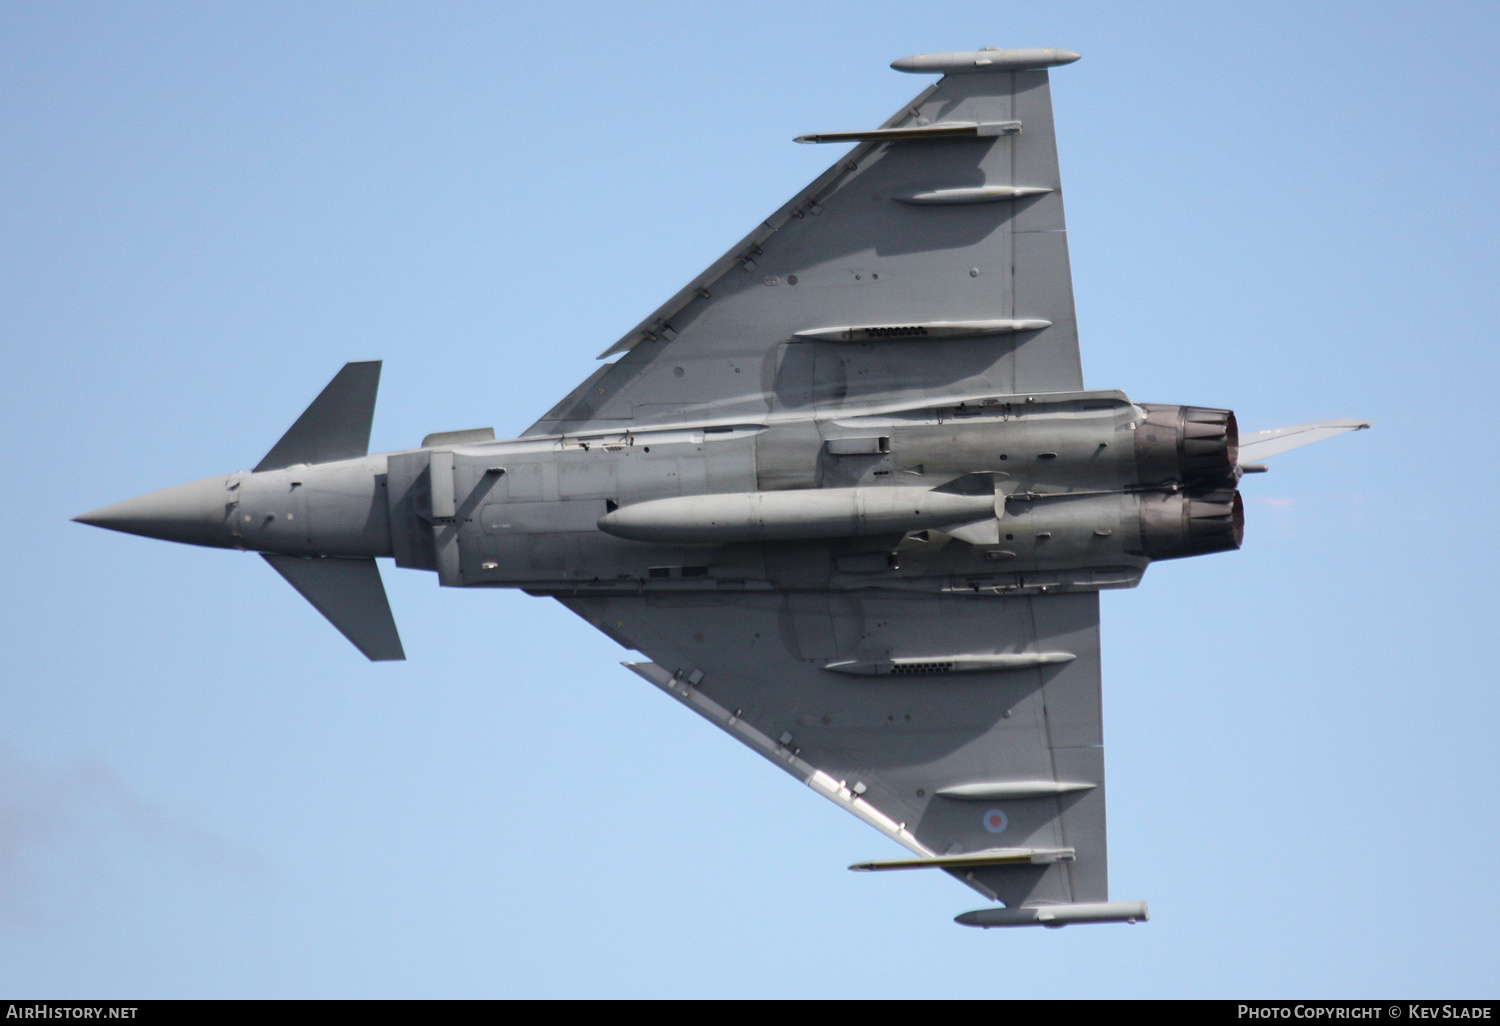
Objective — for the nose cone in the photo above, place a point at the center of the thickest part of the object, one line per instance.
(194, 514)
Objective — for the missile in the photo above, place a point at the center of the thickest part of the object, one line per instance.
(799, 513)
(1057, 915)
(988, 59)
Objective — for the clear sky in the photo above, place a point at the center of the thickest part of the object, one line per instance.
(1289, 209)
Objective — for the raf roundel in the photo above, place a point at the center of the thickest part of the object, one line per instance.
(995, 821)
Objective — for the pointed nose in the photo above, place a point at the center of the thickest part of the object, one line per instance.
(196, 513)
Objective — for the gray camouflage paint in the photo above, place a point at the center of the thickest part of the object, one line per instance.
(730, 497)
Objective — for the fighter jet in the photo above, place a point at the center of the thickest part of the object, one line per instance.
(845, 490)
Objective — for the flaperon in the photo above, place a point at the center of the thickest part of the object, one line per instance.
(845, 490)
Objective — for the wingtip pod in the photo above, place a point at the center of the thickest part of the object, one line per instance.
(1057, 915)
(984, 60)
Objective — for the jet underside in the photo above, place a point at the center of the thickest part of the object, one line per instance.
(845, 491)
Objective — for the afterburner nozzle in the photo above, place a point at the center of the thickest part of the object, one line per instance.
(196, 513)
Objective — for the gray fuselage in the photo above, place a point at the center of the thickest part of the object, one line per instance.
(1088, 489)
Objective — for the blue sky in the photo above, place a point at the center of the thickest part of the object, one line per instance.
(1284, 208)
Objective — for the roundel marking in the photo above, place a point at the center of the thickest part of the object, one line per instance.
(995, 821)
